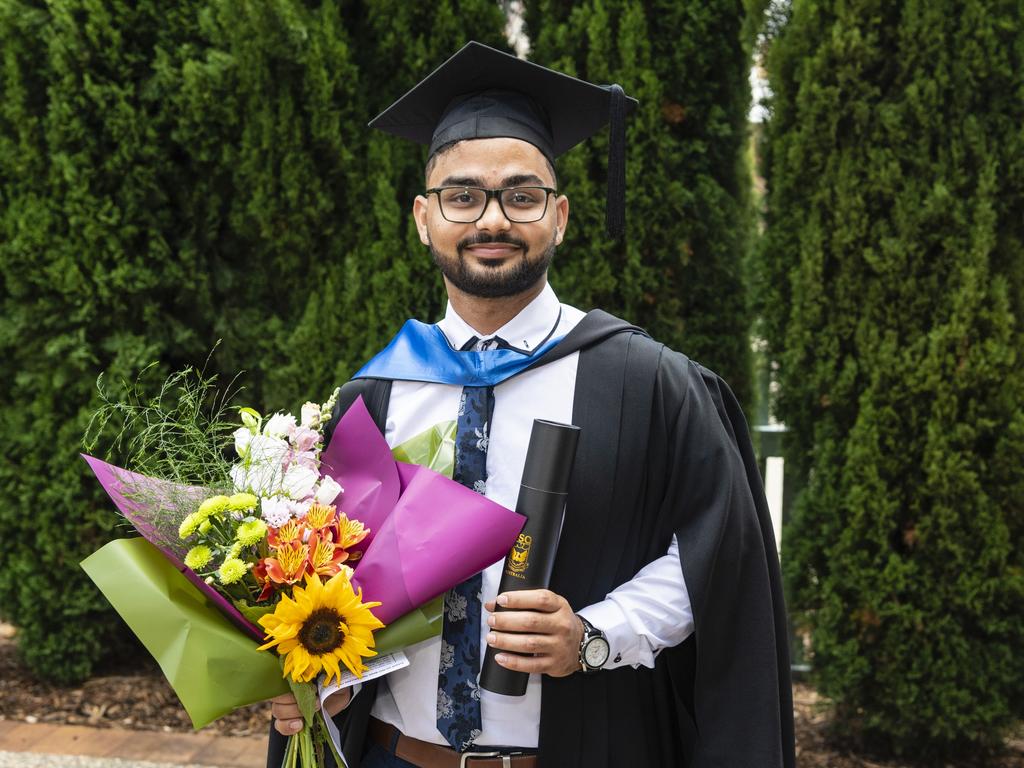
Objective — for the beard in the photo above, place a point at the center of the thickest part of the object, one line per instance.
(498, 280)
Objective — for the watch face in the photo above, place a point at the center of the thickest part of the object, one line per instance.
(596, 652)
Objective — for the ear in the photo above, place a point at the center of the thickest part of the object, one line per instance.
(561, 217)
(419, 215)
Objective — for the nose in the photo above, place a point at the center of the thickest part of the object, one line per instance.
(494, 219)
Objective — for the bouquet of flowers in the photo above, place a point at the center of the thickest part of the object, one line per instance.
(256, 538)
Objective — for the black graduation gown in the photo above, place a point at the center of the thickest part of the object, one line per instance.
(664, 450)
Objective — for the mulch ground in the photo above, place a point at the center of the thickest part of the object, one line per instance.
(142, 700)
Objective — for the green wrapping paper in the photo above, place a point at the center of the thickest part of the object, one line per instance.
(212, 666)
(434, 449)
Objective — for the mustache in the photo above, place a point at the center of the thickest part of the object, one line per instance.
(483, 237)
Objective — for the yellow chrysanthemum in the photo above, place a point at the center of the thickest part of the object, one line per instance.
(188, 525)
(205, 526)
(251, 532)
(240, 502)
(231, 571)
(321, 625)
(198, 557)
(213, 506)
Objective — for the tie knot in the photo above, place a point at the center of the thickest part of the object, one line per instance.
(495, 342)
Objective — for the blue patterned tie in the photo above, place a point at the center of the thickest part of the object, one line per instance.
(458, 696)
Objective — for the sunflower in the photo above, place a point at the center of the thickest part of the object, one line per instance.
(320, 625)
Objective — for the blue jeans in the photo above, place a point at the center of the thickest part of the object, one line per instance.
(378, 757)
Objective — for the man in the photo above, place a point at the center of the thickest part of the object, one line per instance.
(661, 640)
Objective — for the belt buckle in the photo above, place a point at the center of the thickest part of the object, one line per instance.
(506, 762)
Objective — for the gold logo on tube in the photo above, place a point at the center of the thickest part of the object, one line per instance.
(519, 557)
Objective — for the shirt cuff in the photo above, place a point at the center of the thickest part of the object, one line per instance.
(627, 648)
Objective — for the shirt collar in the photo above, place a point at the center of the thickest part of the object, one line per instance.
(525, 332)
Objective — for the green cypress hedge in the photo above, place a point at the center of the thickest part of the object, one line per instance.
(678, 272)
(170, 176)
(891, 291)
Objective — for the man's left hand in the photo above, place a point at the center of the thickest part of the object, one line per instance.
(537, 622)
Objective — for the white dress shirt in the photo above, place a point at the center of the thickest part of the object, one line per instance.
(650, 612)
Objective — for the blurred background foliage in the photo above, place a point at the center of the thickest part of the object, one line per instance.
(888, 288)
(176, 174)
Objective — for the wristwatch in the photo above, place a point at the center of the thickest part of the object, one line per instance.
(594, 648)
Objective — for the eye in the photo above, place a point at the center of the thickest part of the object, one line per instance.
(461, 197)
(524, 197)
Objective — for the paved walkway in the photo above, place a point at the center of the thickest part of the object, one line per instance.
(37, 745)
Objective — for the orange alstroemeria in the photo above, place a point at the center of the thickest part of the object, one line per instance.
(289, 533)
(326, 557)
(290, 564)
(350, 532)
(321, 518)
(259, 572)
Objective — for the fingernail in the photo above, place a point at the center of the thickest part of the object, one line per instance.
(502, 599)
(501, 658)
(296, 726)
(490, 621)
(491, 638)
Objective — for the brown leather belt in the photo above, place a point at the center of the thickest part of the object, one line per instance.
(427, 755)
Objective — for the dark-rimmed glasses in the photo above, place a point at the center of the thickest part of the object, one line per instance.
(466, 205)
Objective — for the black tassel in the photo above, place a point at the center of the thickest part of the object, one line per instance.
(615, 211)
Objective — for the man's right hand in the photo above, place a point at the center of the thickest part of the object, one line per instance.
(288, 718)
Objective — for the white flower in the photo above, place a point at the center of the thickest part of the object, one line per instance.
(242, 437)
(259, 479)
(310, 415)
(299, 481)
(264, 449)
(328, 490)
(299, 508)
(279, 425)
(275, 511)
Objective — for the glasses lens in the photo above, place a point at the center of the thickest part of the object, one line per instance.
(524, 204)
(462, 204)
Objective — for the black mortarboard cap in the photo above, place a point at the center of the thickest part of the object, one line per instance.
(483, 93)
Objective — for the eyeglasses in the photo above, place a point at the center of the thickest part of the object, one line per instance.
(466, 205)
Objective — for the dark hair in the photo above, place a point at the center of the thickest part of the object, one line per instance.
(432, 161)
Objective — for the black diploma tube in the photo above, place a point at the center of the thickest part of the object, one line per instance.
(542, 495)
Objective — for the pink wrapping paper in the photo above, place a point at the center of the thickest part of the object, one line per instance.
(119, 484)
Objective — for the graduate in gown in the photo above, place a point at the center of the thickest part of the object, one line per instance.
(667, 560)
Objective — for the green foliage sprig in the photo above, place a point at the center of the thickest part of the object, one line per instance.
(183, 433)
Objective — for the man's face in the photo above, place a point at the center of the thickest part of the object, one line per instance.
(492, 257)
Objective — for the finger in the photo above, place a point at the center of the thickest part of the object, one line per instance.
(519, 643)
(285, 711)
(287, 715)
(289, 726)
(534, 622)
(284, 698)
(531, 600)
(337, 701)
(529, 664)
(490, 606)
